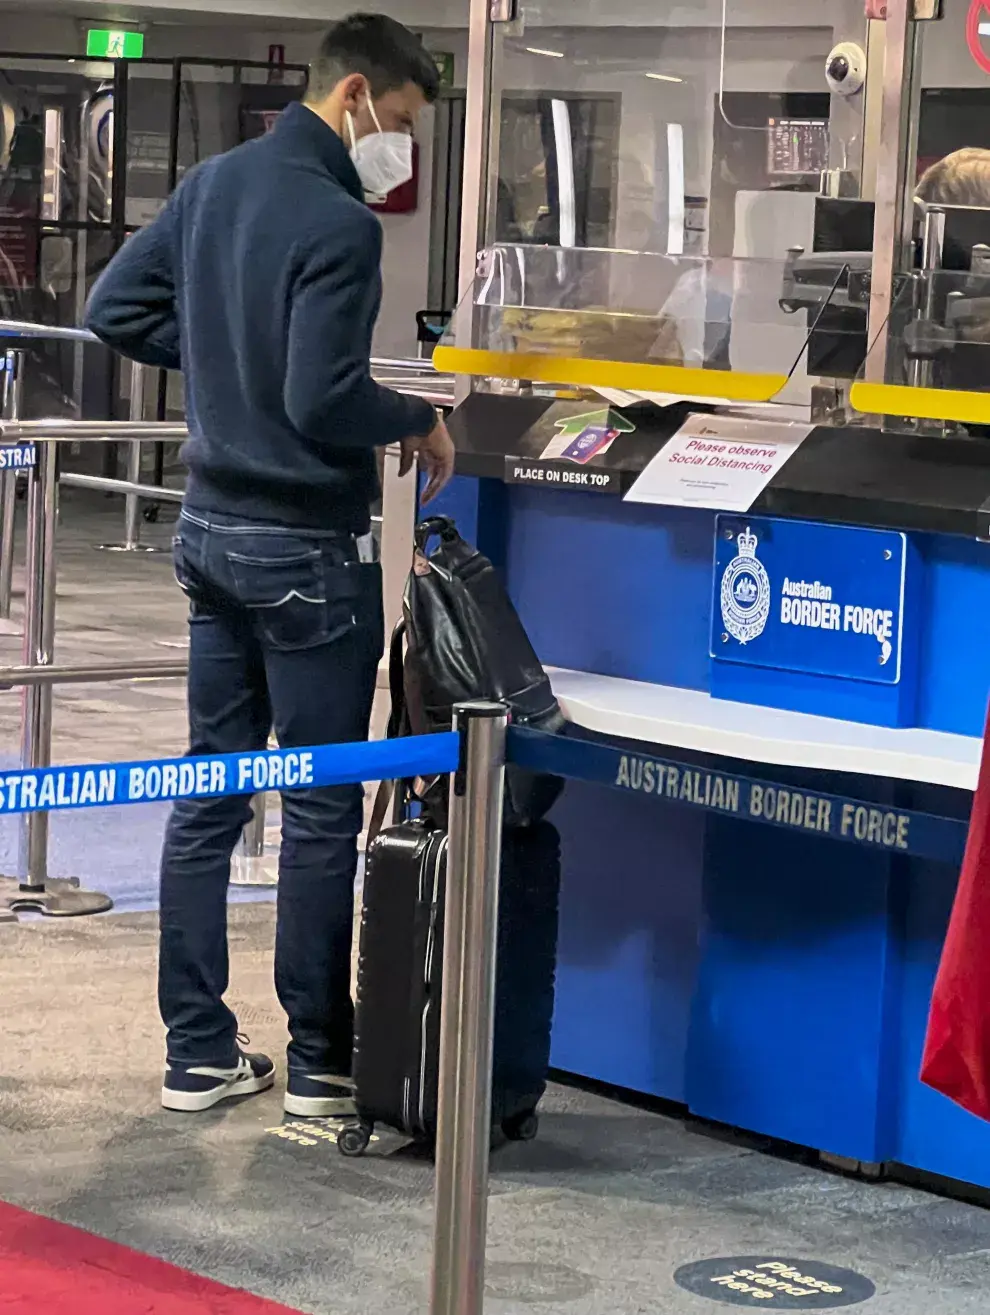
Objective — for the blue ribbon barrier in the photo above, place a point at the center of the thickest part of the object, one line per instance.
(894, 831)
(169, 779)
(786, 806)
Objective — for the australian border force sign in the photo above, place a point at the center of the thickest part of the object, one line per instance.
(798, 596)
(18, 456)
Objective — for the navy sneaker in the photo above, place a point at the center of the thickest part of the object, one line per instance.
(191, 1089)
(319, 1096)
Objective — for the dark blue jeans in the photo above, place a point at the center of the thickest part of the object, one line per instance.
(286, 631)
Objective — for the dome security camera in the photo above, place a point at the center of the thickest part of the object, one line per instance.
(845, 69)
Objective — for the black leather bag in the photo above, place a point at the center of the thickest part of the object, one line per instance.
(460, 639)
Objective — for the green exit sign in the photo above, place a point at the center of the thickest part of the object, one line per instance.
(445, 67)
(108, 43)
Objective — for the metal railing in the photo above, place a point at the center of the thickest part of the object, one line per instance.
(38, 673)
(130, 489)
(10, 409)
(93, 673)
(413, 376)
(44, 332)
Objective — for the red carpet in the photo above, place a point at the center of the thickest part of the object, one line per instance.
(47, 1268)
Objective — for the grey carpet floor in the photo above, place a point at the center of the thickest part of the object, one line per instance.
(593, 1218)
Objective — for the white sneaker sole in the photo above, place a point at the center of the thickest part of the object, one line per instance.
(194, 1102)
(320, 1107)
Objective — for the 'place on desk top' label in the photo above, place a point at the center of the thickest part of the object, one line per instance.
(797, 596)
(561, 475)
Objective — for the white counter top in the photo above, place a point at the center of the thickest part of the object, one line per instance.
(686, 719)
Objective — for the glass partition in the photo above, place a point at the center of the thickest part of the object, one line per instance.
(698, 130)
(933, 374)
(682, 200)
(642, 322)
(925, 370)
(656, 170)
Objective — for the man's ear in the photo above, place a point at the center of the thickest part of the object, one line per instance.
(352, 90)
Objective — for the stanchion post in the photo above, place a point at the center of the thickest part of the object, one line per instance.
(39, 651)
(250, 866)
(13, 392)
(132, 503)
(129, 487)
(32, 889)
(467, 1016)
(254, 832)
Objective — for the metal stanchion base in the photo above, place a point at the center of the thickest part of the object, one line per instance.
(56, 899)
(245, 871)
(123, 547)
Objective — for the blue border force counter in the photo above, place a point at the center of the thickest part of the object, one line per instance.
(782, 692)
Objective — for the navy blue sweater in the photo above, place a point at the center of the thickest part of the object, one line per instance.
(261, 280)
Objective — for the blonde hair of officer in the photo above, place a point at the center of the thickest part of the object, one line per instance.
(962, 178)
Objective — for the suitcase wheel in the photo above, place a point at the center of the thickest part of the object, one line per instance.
(524, 1127)
(354, 1140)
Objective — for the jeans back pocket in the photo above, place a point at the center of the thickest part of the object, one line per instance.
(301, 594)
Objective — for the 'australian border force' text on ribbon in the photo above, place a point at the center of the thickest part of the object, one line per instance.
(79, 787)
(169, 780)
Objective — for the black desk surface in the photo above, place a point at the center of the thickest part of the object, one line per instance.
(845, 475)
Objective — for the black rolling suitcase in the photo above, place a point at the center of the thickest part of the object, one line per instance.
(397, 1024)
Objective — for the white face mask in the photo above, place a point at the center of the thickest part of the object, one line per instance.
(384, 160)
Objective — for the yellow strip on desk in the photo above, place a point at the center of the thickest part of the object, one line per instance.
(920, 403)
(719, 385)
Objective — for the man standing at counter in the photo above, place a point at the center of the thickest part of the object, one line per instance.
(261, 281)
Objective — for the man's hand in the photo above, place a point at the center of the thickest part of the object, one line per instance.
(436, 453)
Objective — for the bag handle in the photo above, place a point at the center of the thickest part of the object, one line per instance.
(379, 812)
(396, 729)
(396, 682)
(441, 526)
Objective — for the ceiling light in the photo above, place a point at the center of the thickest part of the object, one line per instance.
(550, 54)
(664, 77)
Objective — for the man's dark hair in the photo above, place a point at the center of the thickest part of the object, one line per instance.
(379, 48)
